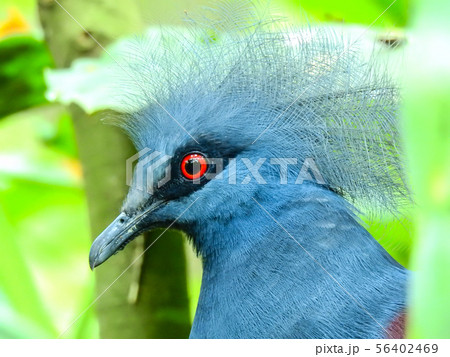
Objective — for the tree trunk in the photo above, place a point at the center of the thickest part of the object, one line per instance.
(150, 299)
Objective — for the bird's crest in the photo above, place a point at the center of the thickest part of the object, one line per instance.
(240, 72)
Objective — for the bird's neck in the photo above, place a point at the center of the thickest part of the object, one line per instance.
(289, 254)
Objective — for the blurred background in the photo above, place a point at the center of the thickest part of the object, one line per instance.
(62, 171)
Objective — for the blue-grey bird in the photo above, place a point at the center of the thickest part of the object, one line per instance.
(266, 144)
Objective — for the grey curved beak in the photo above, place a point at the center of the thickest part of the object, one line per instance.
(114, 238)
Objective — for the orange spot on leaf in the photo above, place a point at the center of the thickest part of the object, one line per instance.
(15, 23)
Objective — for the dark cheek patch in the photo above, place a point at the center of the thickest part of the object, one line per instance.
(179, 185)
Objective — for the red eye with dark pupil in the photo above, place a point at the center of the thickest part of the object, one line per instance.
(193, 166)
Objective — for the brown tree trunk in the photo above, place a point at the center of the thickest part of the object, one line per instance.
(150, 299)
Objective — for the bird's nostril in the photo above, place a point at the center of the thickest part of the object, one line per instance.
(121, 220)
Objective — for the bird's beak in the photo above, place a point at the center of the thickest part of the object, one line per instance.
(114, 238)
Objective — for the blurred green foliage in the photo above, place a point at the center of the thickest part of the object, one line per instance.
(22, 79)
(427, 136)
(43, 229)
(394, 235)
(359, 12)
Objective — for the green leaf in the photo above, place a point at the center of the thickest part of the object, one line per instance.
(43, 223)
(393, 13)
(12, 325)
(22, 79)
(16, 280)
(427, 133)
(394, 235)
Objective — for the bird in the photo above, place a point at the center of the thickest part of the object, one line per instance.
(266, 143)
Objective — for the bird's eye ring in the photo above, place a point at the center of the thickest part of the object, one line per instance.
(194, 166)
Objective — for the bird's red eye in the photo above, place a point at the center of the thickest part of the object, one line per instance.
(194, 166)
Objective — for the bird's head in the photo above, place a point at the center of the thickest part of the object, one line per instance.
(210, 159)
(225, 99)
